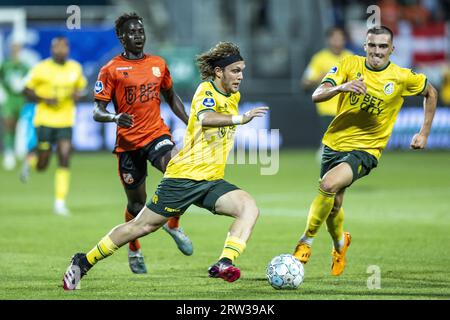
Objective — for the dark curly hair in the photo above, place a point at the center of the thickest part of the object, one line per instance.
(124, 18)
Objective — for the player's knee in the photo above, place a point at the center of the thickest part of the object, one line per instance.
(328, 186)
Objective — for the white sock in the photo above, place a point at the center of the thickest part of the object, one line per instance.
(338, 245)
(307, 240)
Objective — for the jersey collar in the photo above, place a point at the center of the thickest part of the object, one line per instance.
(375, 70)
(125, 58)
(217, 89)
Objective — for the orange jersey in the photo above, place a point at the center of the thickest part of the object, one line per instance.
(134, 87)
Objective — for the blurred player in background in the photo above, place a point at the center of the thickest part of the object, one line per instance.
(55, 84)
(134, 82)
(12, 74)
(318, 67)
(371, 92)
(195, 174)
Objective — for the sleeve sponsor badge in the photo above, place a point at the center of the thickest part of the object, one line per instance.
(333, 70)
(209, 102)
(98, 87)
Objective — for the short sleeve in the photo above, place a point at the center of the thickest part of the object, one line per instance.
(104, 86)
(337, 74)
(166, 82)
(313, 70)
(415, 84)
(204, 101)
(34, 77)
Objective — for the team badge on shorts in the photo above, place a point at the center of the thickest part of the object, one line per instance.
(156, 71)
(389, 88)
(127, 178)
(98, 87)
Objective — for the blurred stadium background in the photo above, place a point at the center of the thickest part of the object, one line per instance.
(277, 38)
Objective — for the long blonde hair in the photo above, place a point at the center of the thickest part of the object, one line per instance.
(205, 61)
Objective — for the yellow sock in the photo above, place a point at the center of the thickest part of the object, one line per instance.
(335, 226)
(103, 249)
(62, 180)
(319, 212)
(32, 161)
(233, 248)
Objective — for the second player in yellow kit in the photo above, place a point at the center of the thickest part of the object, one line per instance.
(370, 93)
(195, 175)
(55, 84)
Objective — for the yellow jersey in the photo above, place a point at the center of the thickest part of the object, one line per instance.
(52, 80)
(365, 122)
(319, 65)
(205, 151)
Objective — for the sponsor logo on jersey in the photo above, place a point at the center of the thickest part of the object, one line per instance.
(124, 68)
(209, 102)
(98, 87)
(156, 71)
(155, 199)
(128, 178)
(389, 88)
(333, 70)
(165, 142)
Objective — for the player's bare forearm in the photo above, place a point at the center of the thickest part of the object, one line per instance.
(102, 115)
(215, 120)
(429, 104)
(325, 92)
(419, 140)
(31, 95)
(175, 103)
(100, 112)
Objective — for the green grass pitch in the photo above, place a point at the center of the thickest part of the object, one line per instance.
(399, 218)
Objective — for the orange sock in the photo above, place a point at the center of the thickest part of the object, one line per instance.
(133, 245)
(173, 222)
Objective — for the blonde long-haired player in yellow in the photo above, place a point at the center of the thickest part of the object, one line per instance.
(371, 92)
(195, 174)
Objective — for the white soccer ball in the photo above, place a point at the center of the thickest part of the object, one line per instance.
(285, 272)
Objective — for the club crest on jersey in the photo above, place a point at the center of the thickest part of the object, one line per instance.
(333, 70)
(389, 88)
(209, 102)
(98, 87)
(128, 178)
(156, 71)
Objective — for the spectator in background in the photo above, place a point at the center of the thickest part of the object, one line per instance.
(318, 67)
(416, 13)
(12, 75)
(391, 13)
